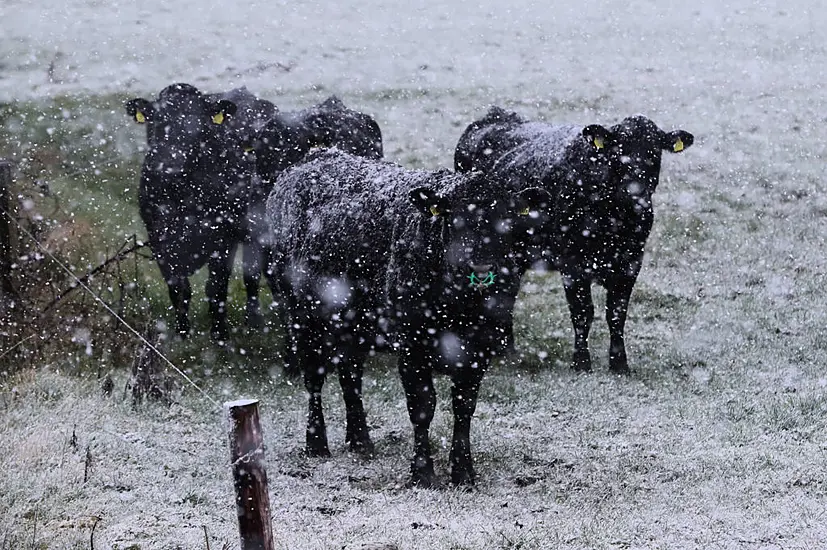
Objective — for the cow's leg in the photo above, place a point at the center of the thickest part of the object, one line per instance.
(618, 292)
(464, 394)
(313, 353)
(350, 364)
(290, 356)
(508, 294)
(581, 308)
(180, 294)
(252, 252)
(417, 380)
(276, 278)
(218, 282)
(281, 287)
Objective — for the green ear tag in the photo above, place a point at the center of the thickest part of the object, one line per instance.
(139, 117)
(678, 146)
(525, 211)
(480, 284)
(248, 148)
(218, 118)
(598, 142)
(434, 211)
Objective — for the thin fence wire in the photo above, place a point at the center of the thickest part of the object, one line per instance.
(129, 327)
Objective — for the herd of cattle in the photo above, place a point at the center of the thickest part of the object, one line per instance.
(364, 255)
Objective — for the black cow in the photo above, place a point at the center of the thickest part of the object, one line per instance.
(195, 190)
(380, 257)
(251, 117)
(287, 137)
(601, 181)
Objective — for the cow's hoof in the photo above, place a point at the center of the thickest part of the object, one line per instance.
(291, 370)
(463, 477)
(422, 473)
(618, 363)
(315, 442)
(363, 446)
(619, 368)
(254, 319)
(424, 480)
(581, 362)
(317, 451)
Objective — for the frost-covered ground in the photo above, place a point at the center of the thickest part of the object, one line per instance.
(717, 440)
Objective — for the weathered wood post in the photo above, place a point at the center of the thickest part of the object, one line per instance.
(249, 475)
(5, 228)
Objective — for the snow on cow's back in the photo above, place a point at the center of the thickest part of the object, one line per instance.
(539, 149)
(331, 176)
(334, 198)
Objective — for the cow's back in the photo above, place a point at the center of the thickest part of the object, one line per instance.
(334, 125)
(536, 154)
(335, 215)
(485, 140)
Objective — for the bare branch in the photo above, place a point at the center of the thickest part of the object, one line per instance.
(116, 258)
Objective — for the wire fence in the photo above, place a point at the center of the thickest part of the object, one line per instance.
(9, 221)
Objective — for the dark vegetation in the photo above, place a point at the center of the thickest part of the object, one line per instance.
(74, 201)
(68, 176)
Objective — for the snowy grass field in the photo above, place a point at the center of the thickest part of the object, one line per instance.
(716, 440)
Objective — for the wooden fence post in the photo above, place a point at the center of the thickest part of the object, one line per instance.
(6, 286)
(249, 475)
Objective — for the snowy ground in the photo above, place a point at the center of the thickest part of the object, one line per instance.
(717, 440)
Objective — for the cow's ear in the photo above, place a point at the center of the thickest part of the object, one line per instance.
(139, 109)
(428, 202)
(678, 140)
(598, 136)
(222, 109)
(531, 201)
(249, 145)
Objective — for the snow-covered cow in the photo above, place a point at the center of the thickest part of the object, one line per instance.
(601, 181)
(414, 262)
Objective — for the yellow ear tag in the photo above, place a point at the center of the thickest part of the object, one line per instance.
(434, 211)
(678, 146)
(139, 117)
(525, 211)
(218, 118)
(598, 142)
(247, 148)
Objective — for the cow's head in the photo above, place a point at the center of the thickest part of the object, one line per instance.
(633, 150)
(285, 140)
(274, 144)
(180, 124)
(482, 225)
